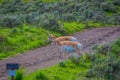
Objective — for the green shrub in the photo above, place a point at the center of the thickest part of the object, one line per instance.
(20, 39)
(10, 21)
(116, 2)
(19, 75)
(75, 60)
(109, 7)
(62, 64)
(41, 76)
(108, 66)
(47, 13)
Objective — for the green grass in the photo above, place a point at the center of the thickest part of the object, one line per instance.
(1, 1)
(57, 72)
(69, 70)
(71, 27)
(94, 24)
(21, 39)
(20, 74)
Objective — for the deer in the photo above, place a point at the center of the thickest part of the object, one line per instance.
(61, 38)
(70, 46)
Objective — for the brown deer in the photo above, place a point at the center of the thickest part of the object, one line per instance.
(61, 38)
(70, 46)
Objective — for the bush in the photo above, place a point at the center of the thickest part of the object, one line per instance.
(40, 76)
(62, 64)
(32, 18)
(50, 23)
(108, 7)
(47, 15)
(107, 67)
(10, 21)
(116, 2)
(75, 60)
(19, 75)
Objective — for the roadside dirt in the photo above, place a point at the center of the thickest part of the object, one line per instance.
(48, 55)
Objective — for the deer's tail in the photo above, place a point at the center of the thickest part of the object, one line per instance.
(80, 46)
(74, 39)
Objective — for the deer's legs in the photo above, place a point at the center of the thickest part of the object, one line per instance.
(66, 54)
(79, 53)
(60, 51)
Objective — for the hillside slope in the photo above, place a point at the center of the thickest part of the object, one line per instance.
(47, 56)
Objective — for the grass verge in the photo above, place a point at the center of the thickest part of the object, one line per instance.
(21, 39)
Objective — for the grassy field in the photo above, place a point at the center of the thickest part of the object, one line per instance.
(59, 18)
(72, 27)
(67, 70)
(26, 37)
(103, 64)
(25, 24)
(21, 39)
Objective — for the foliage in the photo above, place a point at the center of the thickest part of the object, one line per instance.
(40, 76)
(106, 66)
(71, 71)
(73, 27)
(19, 75)
(75, 60)
(25, 37)
(10, 21)
(21, 39)
(48, 13)
(96, 66)
(62, 64)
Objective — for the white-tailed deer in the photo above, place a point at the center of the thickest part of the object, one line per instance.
(70, 46)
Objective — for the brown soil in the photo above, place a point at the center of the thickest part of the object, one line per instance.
(48, 55)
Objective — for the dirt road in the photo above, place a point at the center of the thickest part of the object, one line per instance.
(48, 55)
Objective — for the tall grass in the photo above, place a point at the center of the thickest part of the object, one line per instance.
(73, 27)
(23, 38)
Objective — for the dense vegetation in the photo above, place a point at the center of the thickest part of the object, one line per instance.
(102, 64)
(49, 14)
(26, 37)
(25, 24)
(106, 63)
(22, 38)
